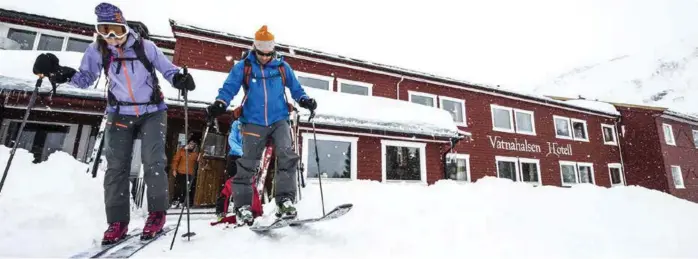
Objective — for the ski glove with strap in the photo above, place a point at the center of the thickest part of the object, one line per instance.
(183, 81)
(48, 65)
(216, 109)
(308, 103)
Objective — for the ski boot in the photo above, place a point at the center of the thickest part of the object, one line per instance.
(153, 225)
(244, 215)
(285, 209)
(115, 233)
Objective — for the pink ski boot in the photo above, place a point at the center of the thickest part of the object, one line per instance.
(115, 233)
(153, 225)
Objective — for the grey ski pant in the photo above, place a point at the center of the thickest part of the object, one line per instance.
(254, 139)
(118, 143)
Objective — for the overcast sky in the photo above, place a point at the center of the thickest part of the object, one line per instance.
(509, 42)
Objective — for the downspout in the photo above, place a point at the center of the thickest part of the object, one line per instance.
(398, 86)
(620, 151)
(453, 142)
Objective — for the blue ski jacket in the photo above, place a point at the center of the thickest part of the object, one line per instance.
(235, 139)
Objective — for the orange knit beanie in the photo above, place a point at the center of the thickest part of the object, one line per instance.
(264, 40)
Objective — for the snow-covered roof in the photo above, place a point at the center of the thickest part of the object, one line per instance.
(336, 109)
(294, 51)
(595, 105)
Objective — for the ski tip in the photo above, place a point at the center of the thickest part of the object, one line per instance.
(345, 206)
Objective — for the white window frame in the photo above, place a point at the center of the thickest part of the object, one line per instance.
(586, 130)
(432, 96)
(465, 157)
(569, 127)
(533, 122)
(673, 180)
(576, 173)
(511, 118)
(422, 156)
(671, 141)
(442, 98)
(613, 131)
(532, 161)
(307, 137)
(695, 143)
(518, 161)
(591, 166)
(620, 170)
(40, 31)
(319, 77)
(340, 81)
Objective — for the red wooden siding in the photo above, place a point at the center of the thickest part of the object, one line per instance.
(683, 154)
(642, 150)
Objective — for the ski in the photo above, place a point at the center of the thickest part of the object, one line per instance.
(133, 247)
(94, 159)
(337, 212)
(96, 252)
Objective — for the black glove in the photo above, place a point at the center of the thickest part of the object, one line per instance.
(47, 64)
(216, 109)
(183, 81)
(308, 103)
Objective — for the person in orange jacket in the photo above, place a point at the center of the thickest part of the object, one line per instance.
(180, 172)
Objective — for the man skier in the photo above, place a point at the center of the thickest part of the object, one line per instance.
(135, 109)
(265, 112)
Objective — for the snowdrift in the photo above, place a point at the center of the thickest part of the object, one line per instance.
(54, 209)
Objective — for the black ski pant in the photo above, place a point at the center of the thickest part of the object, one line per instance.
(254, 139)
(119, 136)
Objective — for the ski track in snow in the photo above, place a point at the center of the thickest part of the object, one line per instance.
(54, 209)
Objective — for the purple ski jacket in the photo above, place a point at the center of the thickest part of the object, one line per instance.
(128, 81)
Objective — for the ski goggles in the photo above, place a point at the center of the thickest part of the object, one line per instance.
(111, 30)
(260, 53)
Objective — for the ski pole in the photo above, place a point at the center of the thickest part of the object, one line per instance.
(21, 128)
(317, 160)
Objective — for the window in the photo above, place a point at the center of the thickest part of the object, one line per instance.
(422, 98)
(77, 45)
(519, 169)
(354, 87)
(695, 138)
(503, 119)
(616, 173)
(454, 106)
(315, 81)
(668, 134)
(677, 176)
(39, 138)
(609, 134)
(339, 154)
(566, 128)
(31, 38)
(50, 43)
(458, 167)
(524, 122)
(403, 161)
(24, 38)
(576, 172)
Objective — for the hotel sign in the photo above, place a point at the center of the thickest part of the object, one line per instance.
(523, 145)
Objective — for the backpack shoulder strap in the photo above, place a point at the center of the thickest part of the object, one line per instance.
(282, 73)
(139, 48)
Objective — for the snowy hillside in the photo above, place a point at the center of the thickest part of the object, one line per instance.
(665, 77)
(54, 209)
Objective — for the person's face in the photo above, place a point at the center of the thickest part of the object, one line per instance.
(264, 57)
(191, 145)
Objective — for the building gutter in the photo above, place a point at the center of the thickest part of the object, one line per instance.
(453, 142)
(398, 86)
(620, 150)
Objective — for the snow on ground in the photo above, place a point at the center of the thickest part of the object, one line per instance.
(54, 209)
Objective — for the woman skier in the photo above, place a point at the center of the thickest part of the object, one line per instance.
(135, 109)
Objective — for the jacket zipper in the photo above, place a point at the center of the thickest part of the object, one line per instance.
(264, 83)
(128, 80)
